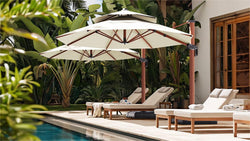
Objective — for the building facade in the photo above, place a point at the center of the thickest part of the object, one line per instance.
(223, 54)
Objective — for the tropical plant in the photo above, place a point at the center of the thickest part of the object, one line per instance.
(179, 72)
(15, 86)
(65, 74)
(48, 27)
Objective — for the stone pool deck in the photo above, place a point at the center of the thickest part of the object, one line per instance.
(223, 131)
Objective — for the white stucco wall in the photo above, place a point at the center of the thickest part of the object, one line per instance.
(210, 9)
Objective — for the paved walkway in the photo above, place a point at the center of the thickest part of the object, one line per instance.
(223, 131)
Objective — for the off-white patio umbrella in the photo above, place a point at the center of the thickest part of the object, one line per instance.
(126, 29)
(121, 34)
(126, 13)
(89, 54)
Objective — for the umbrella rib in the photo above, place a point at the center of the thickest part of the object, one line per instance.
(130, 54)
(81, 53)
(111, 16)
(63, 35)
(117, 36)
(111, 40)
(110, 55)
(106, 35)
(100, 53)
(86, 52)
(57, 54)
(129, 34)
(144, 38)
(141, 36)
(124, 36)
(170, 37)
(82, 38)
(138, 36)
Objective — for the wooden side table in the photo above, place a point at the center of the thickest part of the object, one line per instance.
(241, 102)
(165, 105)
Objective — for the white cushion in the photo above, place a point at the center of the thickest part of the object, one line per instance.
(91, 103)
(165, 111)
(242, 116)
(157, 97)
(195, 106)
(136, 95)
(138, 90)
(225, 93)
(163, 89)
(129, 106)
(203, 113)
(134, 98)
(230, 107)
(215, 92)
(213, 103)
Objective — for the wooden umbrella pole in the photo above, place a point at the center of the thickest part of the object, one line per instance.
(192, 65)
(143, 74)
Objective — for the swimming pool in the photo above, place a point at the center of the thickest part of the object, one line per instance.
(58, 129)
(49, 132)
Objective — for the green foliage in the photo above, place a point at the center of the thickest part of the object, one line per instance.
(65, 74)
(16, 121)
(72, 107)
(11, 11)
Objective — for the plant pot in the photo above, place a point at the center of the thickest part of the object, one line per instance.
(185, 103)
(175, 105)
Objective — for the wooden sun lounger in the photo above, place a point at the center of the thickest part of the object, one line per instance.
(192, 120)
(150, 104)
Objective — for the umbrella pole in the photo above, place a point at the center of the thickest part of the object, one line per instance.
(143, 75)
(192, 65)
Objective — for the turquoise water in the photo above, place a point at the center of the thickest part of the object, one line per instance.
(48, 132)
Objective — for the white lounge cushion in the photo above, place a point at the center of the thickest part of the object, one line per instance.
(195, 106)
(213, 103)
(129, 106)
(163, 89)
(138, 90)
(242, 116)
(203, 113)
(230, 107)
(157, 97)
(91, 103)
(134, 98)
(215, 92)
(136, 95)
(225, 93)
(165, 111)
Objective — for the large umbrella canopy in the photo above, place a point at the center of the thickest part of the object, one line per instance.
(132, 34)
(126, 14)
(89, 54)
(126, 29)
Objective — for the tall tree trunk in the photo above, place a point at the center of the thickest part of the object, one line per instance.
(162, 62)
(66, 101)
(162, 51)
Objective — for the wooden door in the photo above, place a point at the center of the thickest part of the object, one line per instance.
(231, 54)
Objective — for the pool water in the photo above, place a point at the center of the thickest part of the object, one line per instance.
(48, 132)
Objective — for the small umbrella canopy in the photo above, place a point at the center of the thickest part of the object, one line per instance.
(128, 14)
(89, 54)
(132, 34)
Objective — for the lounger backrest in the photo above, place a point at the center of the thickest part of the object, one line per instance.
(136, 95)
(218, 98)
(158, 96)
(229, 98)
